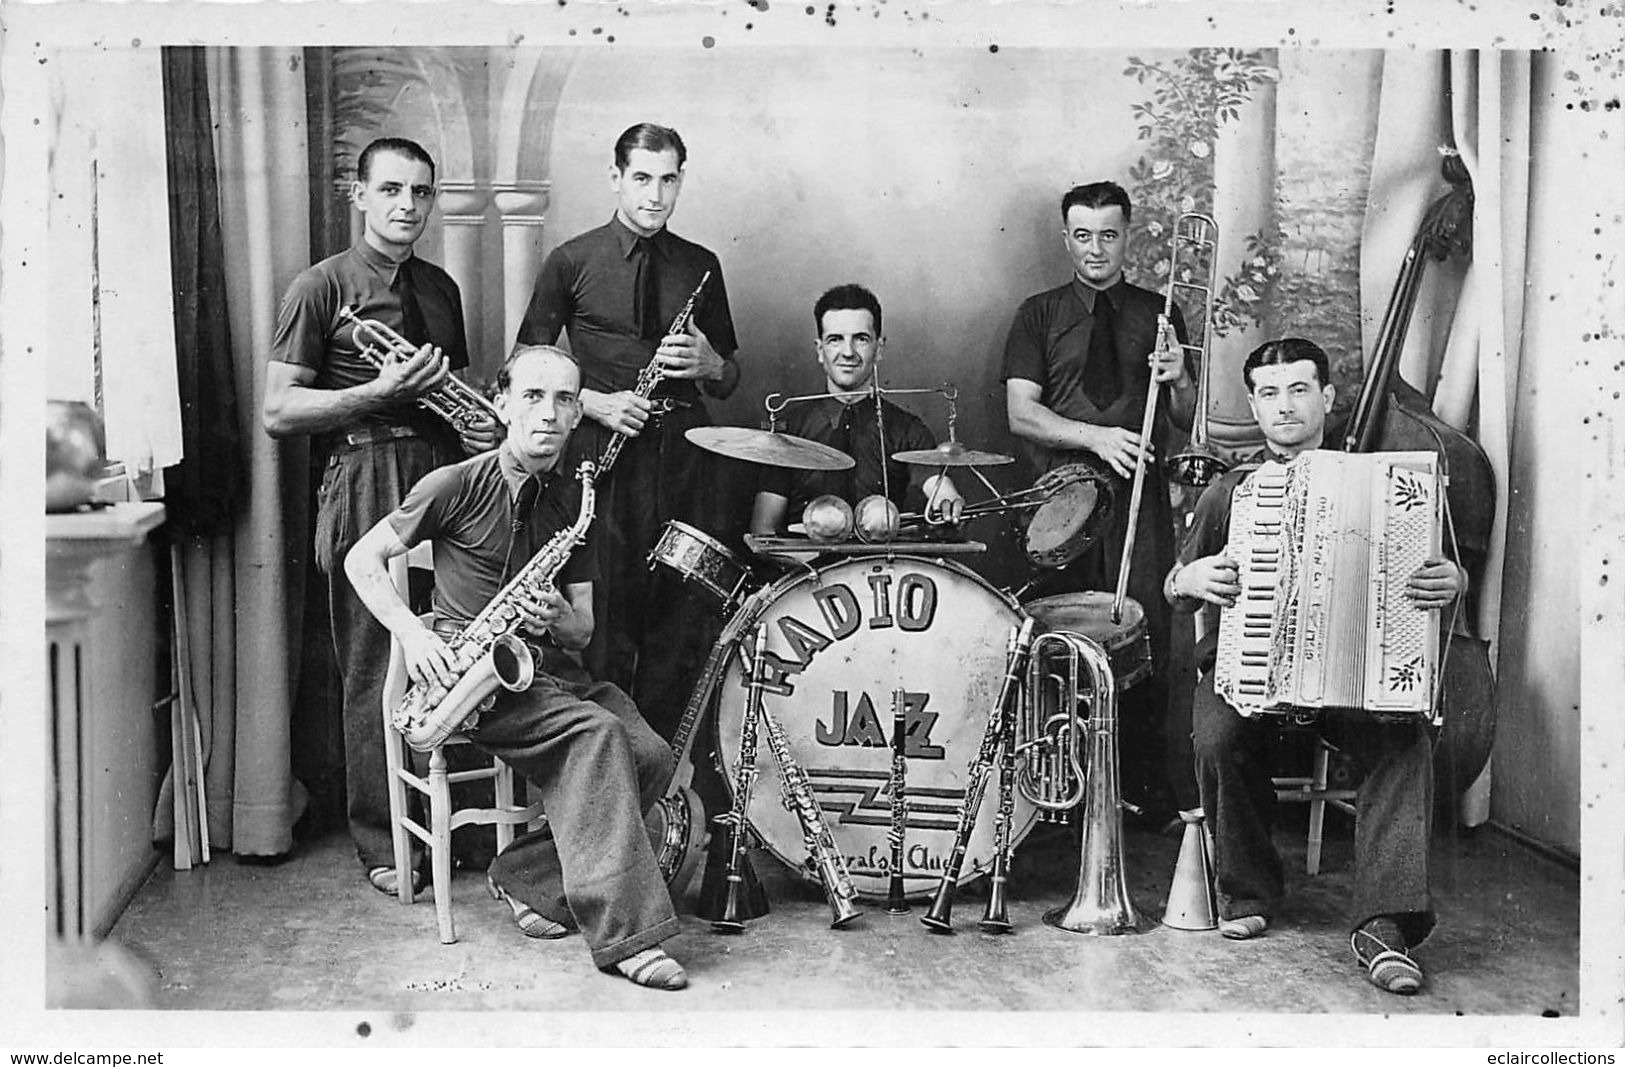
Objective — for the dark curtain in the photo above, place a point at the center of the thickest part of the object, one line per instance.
(203, 492)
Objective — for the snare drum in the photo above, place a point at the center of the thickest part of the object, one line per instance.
(1090, 614)
(701, 558)
(1078, 501)
(840, 640)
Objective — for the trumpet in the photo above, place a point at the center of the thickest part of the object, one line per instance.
(1200, 463)
(454, 400)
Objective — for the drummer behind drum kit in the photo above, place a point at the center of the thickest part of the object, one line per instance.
(887, 808)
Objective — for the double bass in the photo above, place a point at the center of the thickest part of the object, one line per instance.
(1390, 414)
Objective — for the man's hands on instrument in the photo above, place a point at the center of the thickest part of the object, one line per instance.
(1118, 446)
(483, 436)
(689, 355)
(1215, 579)
(946, 507)
(539, 614)
(1434, 584)
(407, 379)
(624, 412)
(1167, 359)
(428, 658)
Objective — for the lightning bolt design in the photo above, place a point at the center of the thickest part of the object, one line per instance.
(853, 797)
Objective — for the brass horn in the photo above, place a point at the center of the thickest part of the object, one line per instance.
(1200, 463)
(1100, 905)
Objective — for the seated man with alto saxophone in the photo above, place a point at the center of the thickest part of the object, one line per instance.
(582, 744)
(1289, 391)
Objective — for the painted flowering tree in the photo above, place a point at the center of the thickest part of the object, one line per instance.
(1191, 98)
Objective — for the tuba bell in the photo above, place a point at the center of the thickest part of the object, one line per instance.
(1068, 750)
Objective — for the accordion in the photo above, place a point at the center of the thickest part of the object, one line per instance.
(1324, 545)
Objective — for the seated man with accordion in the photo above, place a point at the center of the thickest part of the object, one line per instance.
(512, 553)
(1281, 648)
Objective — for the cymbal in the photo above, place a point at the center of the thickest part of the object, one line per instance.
(773, 449)
(952, 454)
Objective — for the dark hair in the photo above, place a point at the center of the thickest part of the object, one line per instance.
(398, 145)
(1097, 195)
(848, 297)
(650, 138)
(505, 375)
(1284, 351)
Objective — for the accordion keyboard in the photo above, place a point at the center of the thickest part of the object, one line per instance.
(1246, 633)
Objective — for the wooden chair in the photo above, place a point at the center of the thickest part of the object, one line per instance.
(1315, 791)
(435, 789)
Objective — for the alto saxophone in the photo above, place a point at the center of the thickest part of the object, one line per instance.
(487, 654)
(454, 400)
(822, 854)
(650, 377)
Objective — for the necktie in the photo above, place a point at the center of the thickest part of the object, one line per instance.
(646, 291)
(413, 327)
(845, 440)
(517, 533)
(1102, 382)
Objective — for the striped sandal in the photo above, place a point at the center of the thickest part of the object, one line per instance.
(654, 969)
(531, 922)
(387, 881)
(1387, 968)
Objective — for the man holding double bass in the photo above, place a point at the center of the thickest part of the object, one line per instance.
(1078, 366)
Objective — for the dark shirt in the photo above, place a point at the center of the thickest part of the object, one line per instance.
(467, 511)
(586, 288)
(310, 334)
(1048, 344)
(851, 428)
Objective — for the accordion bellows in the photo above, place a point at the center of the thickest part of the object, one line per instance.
(1325, 545)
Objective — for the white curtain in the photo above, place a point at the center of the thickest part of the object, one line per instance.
(109, 257)
(244, 589)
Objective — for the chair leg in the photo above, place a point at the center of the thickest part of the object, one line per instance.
(399, 838)
(1317, 808)
(440, 847)
(503, 785)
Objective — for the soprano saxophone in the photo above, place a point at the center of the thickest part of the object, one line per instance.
(454, 400)
(650, 377)
(822, 855)
(488, 654)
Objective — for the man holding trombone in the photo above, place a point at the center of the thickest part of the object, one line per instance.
(369, 417)
(1079, 363)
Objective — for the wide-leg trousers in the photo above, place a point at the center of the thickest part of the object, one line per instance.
(1393, 811)
(598, 767)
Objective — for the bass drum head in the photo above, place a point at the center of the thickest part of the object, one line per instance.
(839, 642)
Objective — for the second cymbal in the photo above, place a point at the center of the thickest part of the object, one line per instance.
(772, 448)
(953, 454)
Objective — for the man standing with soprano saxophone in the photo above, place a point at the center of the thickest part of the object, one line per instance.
(616, 290)
(378, 441)
(597, 765)
(1289, 390)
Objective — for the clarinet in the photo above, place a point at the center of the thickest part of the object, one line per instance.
(895, 903)
(650, 377)
(937, 918)
(996, 919)
(731, 921)
(822, 854)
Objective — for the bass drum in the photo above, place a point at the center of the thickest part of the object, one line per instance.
(841, 639)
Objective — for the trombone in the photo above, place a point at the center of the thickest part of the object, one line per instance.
(1199, 464)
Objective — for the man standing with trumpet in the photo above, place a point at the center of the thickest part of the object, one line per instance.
(616, 291)
(369, 416)
(1078, 364)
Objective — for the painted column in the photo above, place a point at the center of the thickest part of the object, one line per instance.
(523, 208)
(1243, 204)
(462, 206)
